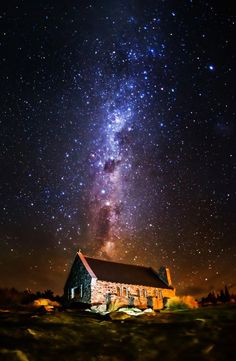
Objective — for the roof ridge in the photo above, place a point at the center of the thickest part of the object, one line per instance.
(107, 270)
(126, 264)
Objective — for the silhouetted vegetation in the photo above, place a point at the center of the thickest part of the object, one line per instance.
(223, 297)
(13, 297)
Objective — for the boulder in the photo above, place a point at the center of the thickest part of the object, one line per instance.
(102, 309)
(13, 355)
(134, 311)
(118, 315)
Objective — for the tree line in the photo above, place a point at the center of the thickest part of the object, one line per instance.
(11, 296)
(223, 296)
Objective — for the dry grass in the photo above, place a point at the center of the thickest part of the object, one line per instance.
(198, 334)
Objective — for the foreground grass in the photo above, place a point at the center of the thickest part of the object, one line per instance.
(202, 334)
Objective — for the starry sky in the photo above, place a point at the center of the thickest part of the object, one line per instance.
(117, 137)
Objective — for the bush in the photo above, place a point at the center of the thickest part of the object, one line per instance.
(181, 303)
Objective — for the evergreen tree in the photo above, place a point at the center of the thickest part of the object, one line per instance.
(227, 295)
(222, 296)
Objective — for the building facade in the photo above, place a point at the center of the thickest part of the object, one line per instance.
(98, 282)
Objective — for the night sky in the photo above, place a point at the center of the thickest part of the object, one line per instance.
(117, 137)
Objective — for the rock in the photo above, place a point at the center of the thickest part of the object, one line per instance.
(34, 333)
(208, 349)
(134, 311)
(118, 315)
(116, 304)
(13, 355)
(102, 309)
(149, 311)
(130, 310)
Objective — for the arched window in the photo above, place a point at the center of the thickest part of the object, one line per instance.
(144, 292)
(118, 291)
(125, 291)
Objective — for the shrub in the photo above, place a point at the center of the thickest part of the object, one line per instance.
(181, 303)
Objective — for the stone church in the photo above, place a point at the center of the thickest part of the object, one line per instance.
(96, 282)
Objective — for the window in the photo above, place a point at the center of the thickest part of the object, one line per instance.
(72, 293)
(160, 294)
(125, 291)
(81, 291)
(144, 292)
(118, 291)
(139, 292)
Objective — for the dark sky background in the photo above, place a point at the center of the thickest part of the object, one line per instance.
(117, 137)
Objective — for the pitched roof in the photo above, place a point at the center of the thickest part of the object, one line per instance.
(125, 273)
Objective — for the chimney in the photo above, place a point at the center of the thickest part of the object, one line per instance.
(164, 274)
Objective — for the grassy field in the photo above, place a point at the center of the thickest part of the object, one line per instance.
(203, 334)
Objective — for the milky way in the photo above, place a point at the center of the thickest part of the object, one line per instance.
(117, 137)
(126, 78)
(109, 193)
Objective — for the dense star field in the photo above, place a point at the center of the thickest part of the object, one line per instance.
(117, 137)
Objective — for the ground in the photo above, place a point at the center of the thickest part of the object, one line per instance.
(204, 334)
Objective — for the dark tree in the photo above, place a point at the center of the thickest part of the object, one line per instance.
(227, 295)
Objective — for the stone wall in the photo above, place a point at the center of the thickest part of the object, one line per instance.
(82, 286)
(80, 280)
(117, 295)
